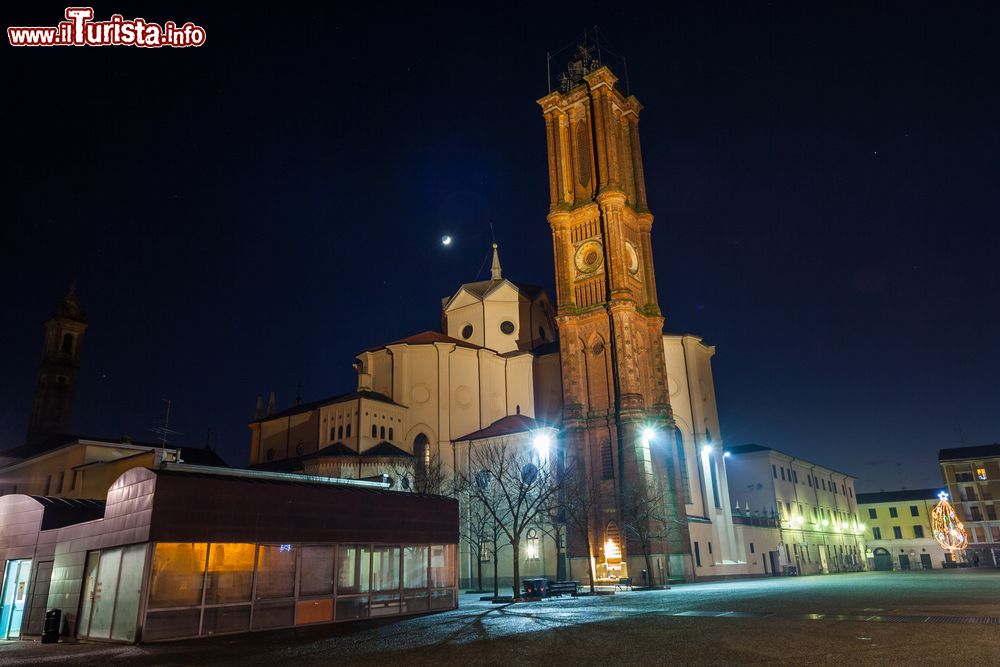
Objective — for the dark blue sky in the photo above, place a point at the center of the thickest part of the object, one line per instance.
(248, 215)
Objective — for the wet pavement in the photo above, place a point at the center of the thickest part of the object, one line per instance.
(868, 618)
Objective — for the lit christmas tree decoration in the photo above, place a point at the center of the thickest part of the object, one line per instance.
(948, 530)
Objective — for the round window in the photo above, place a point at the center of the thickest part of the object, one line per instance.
(467, 331)
(507, 327)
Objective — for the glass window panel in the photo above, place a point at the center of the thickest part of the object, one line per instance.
(177, 575)
(222, 620)
(104, 595)
(273, 615)
(230, 573)
(415, 567)
(129, 589)
(385, 569)
(89, 585)
(314, 611)
(353, 566)
(443, 599)
(352, 608)
(415, 602)
(316, 576)
(442, 565)
(275, 571)
(384, 604)
(171, 624)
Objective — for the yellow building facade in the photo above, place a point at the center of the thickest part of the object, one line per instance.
(898, 534)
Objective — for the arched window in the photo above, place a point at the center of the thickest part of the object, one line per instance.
(390, 433)
(531, 550)
(607, 461)
(348, 433)
(422, 454)
(333, 433)
(682, 464)
(340, 432)
(67, 343)
(381, 433)
(374, 431)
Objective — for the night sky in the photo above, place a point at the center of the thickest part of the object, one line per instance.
(249, 215)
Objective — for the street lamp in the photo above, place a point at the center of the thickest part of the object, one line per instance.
(542, 441)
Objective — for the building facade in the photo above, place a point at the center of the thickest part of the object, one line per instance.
(819, 530)
(899, 534)
(70, 466)
(972, 476)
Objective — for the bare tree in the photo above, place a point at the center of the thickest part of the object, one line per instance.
(423, 477)
(647, 522)
(581, 497)
(484, 536)
(516, 485)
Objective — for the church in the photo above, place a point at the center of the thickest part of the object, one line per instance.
(590, 370)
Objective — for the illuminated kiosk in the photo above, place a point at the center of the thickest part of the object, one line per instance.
(188, 551)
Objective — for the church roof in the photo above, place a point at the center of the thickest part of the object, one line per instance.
(482, 288)
(386, 449)
(312, 405)
(336, 449)
(505, 426)
(427, 338)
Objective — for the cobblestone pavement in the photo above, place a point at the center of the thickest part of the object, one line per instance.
(866, 618)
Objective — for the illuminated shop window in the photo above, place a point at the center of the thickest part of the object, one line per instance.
(177, 574)
(230, 573)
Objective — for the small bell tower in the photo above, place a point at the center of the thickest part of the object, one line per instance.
(58, 371)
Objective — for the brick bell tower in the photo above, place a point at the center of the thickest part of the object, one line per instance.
(52, 407)
(609, 320)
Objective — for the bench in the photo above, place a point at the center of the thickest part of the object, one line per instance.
(563, 587)
(624, 582)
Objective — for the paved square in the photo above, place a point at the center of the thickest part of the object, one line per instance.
(867, 618)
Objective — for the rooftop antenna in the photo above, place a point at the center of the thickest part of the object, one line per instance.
(164, 431)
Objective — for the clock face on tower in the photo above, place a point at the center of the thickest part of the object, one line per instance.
(631, 258)
(589, 257)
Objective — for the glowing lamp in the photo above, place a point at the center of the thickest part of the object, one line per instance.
(542, 443)
(648, 434)
(612, 552)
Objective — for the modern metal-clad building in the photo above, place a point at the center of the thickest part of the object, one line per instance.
(182, 551)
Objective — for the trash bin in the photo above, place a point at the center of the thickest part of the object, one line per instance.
(53, 625)
(536, 588)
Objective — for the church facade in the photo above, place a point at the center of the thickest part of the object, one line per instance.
(631, 406)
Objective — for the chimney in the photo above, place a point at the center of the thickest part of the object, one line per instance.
(270, 404)
(259, 411)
